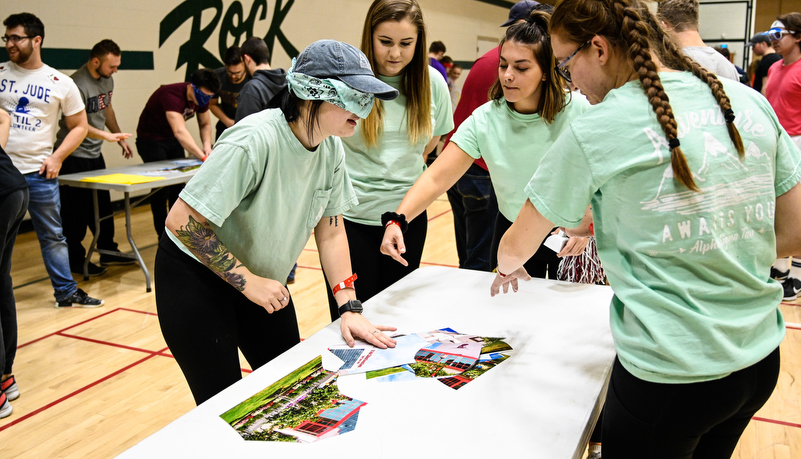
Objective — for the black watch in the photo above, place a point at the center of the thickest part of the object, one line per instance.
(352, 306)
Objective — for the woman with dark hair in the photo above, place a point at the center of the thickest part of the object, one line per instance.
(244, 219)
(692, 197)
(386, 155)
(512, 132)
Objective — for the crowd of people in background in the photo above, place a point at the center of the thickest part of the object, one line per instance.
(566, 124)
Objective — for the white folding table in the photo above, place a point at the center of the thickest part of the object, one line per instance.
(542, 402)
(169, 178)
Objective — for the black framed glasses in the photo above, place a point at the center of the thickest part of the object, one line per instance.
(13, 38)
(777, 34)
(561, 68)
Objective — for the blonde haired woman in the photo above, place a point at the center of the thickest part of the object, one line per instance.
(386, 155)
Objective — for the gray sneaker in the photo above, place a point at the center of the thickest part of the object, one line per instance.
(79, 299)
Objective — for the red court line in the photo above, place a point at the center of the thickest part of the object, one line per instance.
(72, 394)
(107, 343)
(774, 421)
(790, 327)
(310, 267)
(791, 304)
(440, 214)
(437, 264)
(138, 311)
(67, 328)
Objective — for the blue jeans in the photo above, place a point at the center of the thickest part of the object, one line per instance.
(474, 207)
(44, 207)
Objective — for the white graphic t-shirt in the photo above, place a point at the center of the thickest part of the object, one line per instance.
(690, 270)
(33, 98)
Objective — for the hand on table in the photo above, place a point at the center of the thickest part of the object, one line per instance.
(354, 325)
(510, 279)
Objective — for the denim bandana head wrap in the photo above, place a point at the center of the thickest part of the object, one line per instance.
(330, 90)
(202, 99)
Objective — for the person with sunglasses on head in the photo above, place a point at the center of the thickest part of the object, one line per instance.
(233, 76)
(694, 187)
(783, 91)
(530, 108)
(162, 134)
(274, 178)
(34, 94)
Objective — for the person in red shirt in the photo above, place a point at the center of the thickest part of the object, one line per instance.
(162, 133)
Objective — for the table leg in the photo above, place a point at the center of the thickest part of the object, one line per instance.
(131, 241)
(94, 238)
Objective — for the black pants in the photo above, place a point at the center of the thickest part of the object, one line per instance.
(543, 261)
(683, 421)
(161, 201)
(204, 320)
(77, 211)
(375, 270)
(12, 209)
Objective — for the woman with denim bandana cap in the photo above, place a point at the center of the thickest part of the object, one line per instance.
(243, 220)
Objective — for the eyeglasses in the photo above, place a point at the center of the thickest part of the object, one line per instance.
(235, 75)
(13, 38)
(777, 34)
(561, 68)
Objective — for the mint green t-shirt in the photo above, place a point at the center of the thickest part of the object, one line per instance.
(264, 193)
(693, 299)
(383, 174)
(512, 144)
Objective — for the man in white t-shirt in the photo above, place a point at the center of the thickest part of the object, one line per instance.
(33, 94)
(680, 18)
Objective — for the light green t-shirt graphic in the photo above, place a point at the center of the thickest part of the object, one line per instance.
(264, 193)
(512, 144)
(383, 174)
(690, 271)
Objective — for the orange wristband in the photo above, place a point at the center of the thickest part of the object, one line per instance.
(347, 283)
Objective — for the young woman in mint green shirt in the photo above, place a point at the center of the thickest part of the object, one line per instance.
(386, 154)
(692, 199)
(243, 220)
(512, 132)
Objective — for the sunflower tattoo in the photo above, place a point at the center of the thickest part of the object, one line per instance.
(203, 242)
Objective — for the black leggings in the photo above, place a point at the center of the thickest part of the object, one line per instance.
(542, 262)
(204, 320)
(12, 209)
(683, 421)
(375, 270)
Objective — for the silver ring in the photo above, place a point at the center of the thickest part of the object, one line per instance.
(283, 299)
(375, 331)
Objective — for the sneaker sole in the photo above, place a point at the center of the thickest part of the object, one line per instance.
(84, 306)
(95, 274)
(117, 263)
(6, 410)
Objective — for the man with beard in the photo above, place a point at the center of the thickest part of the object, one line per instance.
(33, 94)
(233, 77)
(96, 86)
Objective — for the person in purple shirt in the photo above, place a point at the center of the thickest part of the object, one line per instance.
(435, 53)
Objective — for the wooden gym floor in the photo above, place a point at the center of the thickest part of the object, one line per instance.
(94, 382)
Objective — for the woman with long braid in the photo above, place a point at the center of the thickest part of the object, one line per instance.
(692, 198)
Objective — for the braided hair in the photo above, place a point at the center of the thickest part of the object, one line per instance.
(629, 24)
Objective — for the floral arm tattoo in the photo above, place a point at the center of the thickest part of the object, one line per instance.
(203, 242)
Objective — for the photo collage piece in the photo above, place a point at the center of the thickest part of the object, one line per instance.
(303, 407)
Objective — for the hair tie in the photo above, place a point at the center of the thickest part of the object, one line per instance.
(729, 115)
(673, 142)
